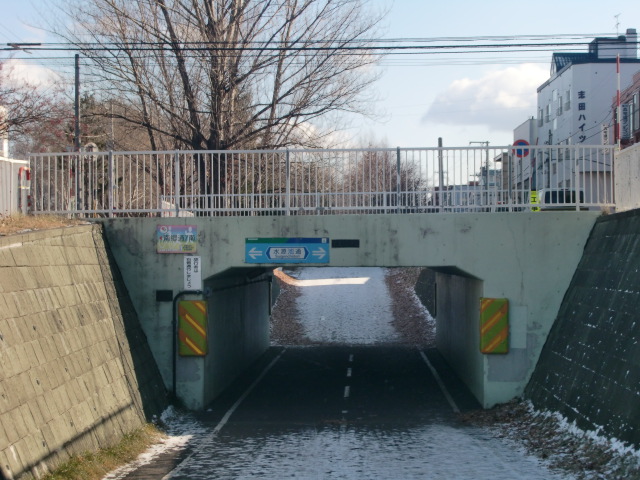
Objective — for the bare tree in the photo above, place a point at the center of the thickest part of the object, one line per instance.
(386, 180)
(24, 106)
(230, 74)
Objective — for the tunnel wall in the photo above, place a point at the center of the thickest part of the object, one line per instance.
(457, 333)
(590, 365)
(76, 370)
(238, 333)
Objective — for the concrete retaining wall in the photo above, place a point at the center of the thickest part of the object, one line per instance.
(627, 178)
(76, 371)
(590, 365)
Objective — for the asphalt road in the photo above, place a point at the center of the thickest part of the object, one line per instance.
(344, 412)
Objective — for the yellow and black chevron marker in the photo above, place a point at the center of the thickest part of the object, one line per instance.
(192, 328)
(494, 325)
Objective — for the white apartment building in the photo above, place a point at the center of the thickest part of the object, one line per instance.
(574, 105)
(574, 108)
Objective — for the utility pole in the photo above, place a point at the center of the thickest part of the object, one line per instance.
(76, 140)
(74, 195)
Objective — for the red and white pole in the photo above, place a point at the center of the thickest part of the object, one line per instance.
(618, 128)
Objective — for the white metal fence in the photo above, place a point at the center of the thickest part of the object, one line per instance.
(321, 182)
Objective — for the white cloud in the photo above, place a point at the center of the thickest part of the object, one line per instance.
(20, 72)
(500, 100)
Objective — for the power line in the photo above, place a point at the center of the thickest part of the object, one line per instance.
(209, 46)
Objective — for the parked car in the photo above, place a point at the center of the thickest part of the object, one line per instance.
(560, 199)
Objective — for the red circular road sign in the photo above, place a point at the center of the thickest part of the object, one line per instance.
(521, 152)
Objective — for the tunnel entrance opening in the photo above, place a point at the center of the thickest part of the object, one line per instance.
(252, 309)
(352, 305)
(379, 308)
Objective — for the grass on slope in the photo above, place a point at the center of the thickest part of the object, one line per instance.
(95, 465)
(20, 223)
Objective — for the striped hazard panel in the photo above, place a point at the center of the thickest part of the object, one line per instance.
(494, 325)
(192, 328)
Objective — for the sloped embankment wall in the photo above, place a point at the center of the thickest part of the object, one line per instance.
(76, 372)
(590, 365)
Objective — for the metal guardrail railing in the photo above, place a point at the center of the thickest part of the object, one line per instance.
(322, 182)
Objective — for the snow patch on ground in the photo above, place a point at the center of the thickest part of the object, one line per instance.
(561, 444)
(345, 305)
(622, 455)
(180, 428)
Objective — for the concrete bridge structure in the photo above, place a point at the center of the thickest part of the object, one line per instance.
(528, 258)
(471, 214)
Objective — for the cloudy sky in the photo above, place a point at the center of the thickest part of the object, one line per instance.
(477, 101)
(462, 98)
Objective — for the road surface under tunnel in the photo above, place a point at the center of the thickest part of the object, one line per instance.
(351, 412)
(351, 401)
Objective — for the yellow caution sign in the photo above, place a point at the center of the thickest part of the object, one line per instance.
(494, 325)
(192, 328)
(533, 197)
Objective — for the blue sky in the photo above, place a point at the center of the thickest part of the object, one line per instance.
(431, 98)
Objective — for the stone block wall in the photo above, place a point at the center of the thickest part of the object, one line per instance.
(76, 372)
(589, 369)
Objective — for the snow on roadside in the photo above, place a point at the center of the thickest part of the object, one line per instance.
(559, 443)
(411, 318)
(180, 429)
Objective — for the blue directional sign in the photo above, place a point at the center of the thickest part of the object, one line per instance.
(286, 250)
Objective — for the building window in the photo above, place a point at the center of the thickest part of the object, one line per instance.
(567, 103)
(559, 111)
(539, 117)
(547, 113)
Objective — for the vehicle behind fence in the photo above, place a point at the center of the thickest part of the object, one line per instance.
(14, 186)
(322, 182)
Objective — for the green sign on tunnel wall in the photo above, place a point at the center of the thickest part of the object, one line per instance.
(494, 325)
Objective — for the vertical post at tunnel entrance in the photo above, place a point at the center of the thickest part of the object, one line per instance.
(398, 180)
(440, 174)
(288, 184)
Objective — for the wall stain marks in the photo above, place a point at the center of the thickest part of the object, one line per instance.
(424, 232)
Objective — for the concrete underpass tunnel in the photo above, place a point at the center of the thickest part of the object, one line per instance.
(238, 321)
(452, 294)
